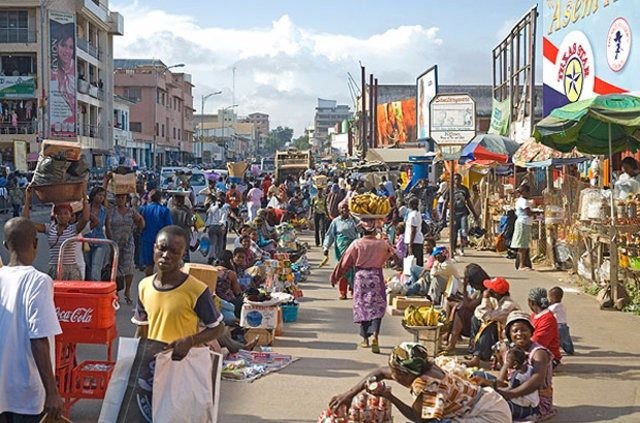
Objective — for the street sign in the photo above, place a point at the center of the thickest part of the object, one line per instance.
(453, 119)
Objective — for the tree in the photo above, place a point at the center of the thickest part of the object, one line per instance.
(278, 138)
(302, 143)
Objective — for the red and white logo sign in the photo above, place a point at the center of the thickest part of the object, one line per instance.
(79, 315)
(618, 44)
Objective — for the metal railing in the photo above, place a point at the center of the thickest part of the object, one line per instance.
(89, 48)
(87, 130)
(22, 128)
(17, 35)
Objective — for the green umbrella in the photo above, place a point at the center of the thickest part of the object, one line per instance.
(605, 124)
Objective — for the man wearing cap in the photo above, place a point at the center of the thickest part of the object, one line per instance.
(490, 318)
(442, 271)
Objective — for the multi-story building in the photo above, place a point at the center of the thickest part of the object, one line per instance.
(162, 116)
(328, 113)
(56, 73)
(127, 150)
(238, 137)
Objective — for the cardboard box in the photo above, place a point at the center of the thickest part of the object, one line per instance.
(123, 184)
(402, 302)
(261, 317)
(280, 326)
(204, 273)
(265, 336)
(70, 150)
(394, 311)
(391, 296)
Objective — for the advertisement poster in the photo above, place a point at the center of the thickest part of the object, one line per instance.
(20, 156)
(62, 83)
(397, 122)
(500, 117)
(17, 87)
(427, 85)
(589, 49)
(453, 119)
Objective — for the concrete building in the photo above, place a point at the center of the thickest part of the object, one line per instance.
(162, 113)
(127, 150)
(328, 114)
(56, 74)
(239, 136)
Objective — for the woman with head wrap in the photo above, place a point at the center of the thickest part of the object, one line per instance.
(367, 257)
(544, 322)
(522, 230)
(438, 395)
(334, 198)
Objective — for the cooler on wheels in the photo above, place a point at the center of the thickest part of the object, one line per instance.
(87, 315)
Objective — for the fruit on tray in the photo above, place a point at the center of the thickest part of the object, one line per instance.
(370, 204)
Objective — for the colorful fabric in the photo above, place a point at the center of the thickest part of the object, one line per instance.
(122, 230)
(369, 295)
(449, 397)
(546, 332)
(223, 285)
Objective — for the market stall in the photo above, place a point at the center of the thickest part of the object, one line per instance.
(604, 239)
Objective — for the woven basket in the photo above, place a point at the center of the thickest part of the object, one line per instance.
(60, 193)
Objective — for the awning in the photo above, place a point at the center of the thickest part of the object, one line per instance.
(393, 155)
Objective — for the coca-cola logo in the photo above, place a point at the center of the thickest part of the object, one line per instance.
(78, 315)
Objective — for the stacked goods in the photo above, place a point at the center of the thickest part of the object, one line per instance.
(369, 206)
(123, 181)
(423, 316)
(236, 169)
(61, 173)
(365, 408)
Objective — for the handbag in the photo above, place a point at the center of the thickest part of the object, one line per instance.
(500, 244)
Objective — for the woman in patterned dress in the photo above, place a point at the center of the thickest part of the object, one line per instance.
(367, 256)
(121, 224)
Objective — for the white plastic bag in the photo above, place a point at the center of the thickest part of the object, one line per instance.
(127, 348)
(187, 390)
(407, 263)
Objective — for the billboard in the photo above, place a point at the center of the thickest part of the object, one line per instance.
(453, 119)
(17, 87)
(588, 49)
(62, 81)
(427, 88)
(396, 122)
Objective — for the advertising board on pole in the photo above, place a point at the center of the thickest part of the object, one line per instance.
(453, 119)
(62, 82)
(427, 88)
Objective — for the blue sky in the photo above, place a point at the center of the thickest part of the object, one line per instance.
(287, 53)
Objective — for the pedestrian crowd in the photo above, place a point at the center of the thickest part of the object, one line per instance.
(158, 232)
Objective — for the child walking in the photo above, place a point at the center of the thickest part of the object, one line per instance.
(557, 308)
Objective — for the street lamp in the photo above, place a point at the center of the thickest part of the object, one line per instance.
(155, 108)
(204, 98)
(224, 139)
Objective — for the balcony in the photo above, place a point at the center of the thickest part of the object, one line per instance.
(87, 130)
(89, 48)
(22, 128)
(17, 35)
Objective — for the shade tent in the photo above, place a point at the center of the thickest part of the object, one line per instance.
(532, 154)
(489, 147)
(393, 155)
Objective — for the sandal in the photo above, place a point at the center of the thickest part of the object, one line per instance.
(343, 297)
(127, 298)
(375, 348)
(364, 344)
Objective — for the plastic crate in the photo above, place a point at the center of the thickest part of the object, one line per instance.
(65, 353)
(82, 304)
(89, 336)
(63, 379)
(90, 379)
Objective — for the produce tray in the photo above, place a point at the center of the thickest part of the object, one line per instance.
(369, 216)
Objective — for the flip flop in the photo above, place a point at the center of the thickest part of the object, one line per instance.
(364, 345)
(375, 348)
(324, 261)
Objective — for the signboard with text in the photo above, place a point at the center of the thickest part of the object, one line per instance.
(62, 82)
(453, 119)
(17, 87)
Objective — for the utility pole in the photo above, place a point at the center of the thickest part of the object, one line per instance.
(204, 98)
(363, 109)
(371, 112)
(43, 39)
(375, 113)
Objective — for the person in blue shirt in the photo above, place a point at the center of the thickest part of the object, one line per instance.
(156, 217)
(221, 185)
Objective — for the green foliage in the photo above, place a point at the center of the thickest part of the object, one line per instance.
(278, 138)
(302, 143)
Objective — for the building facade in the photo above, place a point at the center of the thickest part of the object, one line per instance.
(328, 114)
(56, 74)
(162, 114)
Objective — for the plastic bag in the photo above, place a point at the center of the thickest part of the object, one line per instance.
(50, 170)
(204, 246)
(187, 390)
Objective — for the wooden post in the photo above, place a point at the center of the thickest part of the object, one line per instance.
(371, 111)
(363, 114)
(452, 220)
(375, 113)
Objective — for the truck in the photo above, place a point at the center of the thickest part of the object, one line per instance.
(292, 162)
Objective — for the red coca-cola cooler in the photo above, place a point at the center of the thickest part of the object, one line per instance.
(86, 305)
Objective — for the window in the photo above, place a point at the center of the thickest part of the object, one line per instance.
(163, 129)
(157, 129)
(14, 27)
(132, 94)
(179, 135)
(174, 133)
(135, 126)
(18, 65)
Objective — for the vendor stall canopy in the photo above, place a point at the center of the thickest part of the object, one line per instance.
(592, 126)
(489, 147)
(534, 154)
(393, 155)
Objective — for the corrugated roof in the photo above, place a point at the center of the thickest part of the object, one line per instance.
(134, 63)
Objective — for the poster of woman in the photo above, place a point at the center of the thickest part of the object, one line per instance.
(62, 83)
(397, 122)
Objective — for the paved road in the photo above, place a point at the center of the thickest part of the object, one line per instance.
(601, 383)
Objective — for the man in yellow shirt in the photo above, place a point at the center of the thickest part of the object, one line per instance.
(171, 304)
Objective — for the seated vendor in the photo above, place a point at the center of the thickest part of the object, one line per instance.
(438, 395)
(227, 286)
(442, 271)
(489, 318)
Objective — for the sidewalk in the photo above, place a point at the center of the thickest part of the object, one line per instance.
(325, 340)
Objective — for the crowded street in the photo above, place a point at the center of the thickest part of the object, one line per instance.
(333, 212)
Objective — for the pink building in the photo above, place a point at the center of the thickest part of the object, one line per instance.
(162, 113)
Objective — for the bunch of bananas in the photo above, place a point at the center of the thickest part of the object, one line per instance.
(369, 204)
(423, 316)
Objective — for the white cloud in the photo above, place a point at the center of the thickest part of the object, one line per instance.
(281, 68)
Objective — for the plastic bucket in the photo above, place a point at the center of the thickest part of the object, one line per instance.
(289, 312)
